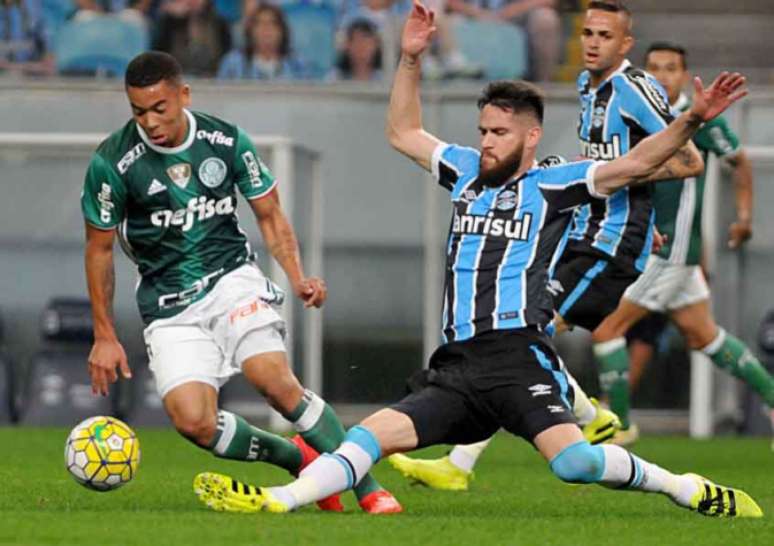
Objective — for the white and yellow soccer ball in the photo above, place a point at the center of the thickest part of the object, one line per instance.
(102, 453)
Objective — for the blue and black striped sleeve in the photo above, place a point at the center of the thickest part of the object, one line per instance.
(450, 163)
(567, 186)
(643, 101)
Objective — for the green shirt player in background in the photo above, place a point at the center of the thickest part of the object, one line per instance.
(673, 282)
(166, 183)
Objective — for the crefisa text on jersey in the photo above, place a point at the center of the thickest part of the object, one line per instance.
(198, 208)
(215, 137)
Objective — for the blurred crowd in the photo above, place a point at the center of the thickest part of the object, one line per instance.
(327, 40)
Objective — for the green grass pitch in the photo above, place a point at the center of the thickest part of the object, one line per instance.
(514, 500)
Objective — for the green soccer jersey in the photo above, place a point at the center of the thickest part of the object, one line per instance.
(174, 208)
(678, 204)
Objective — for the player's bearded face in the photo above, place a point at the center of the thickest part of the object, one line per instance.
(496, 172)
(158, 109)
(502, 145)
(605, 40)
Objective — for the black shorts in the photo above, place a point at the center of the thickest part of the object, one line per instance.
(509, 379)
(587, 287)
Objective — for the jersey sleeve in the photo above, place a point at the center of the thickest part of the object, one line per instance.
(644, 102)
(450, 163)
(103, 199)
(570, 185)
(252, 176)
(717, 137)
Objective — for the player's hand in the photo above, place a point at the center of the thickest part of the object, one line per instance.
(312, 291)
(725, 90)
(105, 357)
(739, 233)
(418, 30)
(659, 240)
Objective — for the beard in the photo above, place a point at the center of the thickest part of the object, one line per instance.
(502, 171)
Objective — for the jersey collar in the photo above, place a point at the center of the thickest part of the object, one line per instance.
(177, 149)
(620, 70)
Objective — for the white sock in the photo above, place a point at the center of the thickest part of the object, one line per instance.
(465, 457)
(330, 473)
(583, 409)
(625, 470)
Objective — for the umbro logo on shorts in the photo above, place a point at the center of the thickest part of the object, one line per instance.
(156, 187)
(555, 287)
(539, 389)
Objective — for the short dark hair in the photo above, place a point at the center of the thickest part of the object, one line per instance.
(668, 46)
(613, 6)
(150, 68)
(514, 96)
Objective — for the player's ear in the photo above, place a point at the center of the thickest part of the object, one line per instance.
(185, 95)
(627, 44)
(534, 134)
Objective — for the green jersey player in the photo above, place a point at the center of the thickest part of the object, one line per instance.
(166, 183)
(673, 282)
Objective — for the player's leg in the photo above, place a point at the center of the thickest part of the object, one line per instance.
(572, 459)
(312, 417)
(726, 351)
(548, 424)
(611, 354)
(587, 291)
(193, 409)
(430, 416)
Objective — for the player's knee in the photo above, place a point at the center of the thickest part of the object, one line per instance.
(199, 429)
(579, 463)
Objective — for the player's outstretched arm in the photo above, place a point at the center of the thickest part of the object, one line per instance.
(645, 158)
(404, 116)
(107, 353)
(281, 241)
(686, 162)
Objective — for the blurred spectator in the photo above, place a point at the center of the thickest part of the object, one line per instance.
(538, 17)
(446, 60)
(86, 10)
(137, 12)
(266, 54)
(24, 44)
(361, 57)
(192, 32)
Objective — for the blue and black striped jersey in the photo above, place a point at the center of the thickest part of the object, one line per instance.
(624, 109)
(502, 241)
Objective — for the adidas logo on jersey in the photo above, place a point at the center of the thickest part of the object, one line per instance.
(198, 208)
(602, 150)
(156, 187)
(496, 227)
(215, 138)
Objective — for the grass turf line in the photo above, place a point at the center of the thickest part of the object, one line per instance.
(514, 500)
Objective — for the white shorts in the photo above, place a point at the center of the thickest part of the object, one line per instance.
(665, 286)
(210, 340)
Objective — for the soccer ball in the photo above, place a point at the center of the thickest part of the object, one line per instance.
(102, 453)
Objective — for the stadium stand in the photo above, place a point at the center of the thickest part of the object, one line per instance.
(102, 46)
(312, 35)
(483, 43)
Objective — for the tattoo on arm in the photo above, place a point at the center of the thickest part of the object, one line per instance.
(683, 158)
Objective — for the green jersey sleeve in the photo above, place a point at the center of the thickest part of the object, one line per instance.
(104, 195)
(252, 176)
(717, 137)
